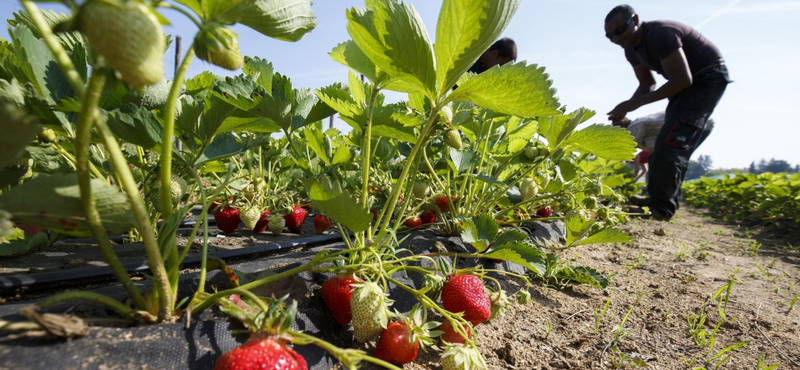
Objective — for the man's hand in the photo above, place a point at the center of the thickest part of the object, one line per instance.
(621, 110)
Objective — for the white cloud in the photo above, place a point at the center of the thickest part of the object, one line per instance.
(724, 10)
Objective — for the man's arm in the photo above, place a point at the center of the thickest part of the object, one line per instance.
(680, 77)
(676, 67)
(646, 81)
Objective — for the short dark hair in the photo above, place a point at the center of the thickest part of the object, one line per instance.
(624, 9)
(506, 47)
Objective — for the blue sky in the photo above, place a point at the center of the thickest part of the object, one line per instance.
(759, 39)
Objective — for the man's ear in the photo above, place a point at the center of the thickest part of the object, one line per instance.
(636, 19)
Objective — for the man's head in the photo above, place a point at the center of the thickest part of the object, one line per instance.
(622, 26)
(624, 122)
(501, 52)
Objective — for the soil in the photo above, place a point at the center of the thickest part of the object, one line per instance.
(675, 268)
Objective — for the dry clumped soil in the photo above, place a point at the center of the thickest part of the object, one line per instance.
(675, 268)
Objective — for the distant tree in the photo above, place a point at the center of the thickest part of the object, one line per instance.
(776, 166)
(752, 168)
(797, 168)
(699, 168)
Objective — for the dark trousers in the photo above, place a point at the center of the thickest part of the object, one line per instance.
(685, 128)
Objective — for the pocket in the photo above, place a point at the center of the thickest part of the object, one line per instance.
(684, 134)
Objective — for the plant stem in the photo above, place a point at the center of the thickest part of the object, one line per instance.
(423, 138)
(82, 141)
(340, 354)
(366, 145)
(143, 222)
(109, 302)
(182, 11)
(169, 129)
(117, 159)
(210, 300)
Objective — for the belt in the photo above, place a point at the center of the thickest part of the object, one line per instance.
(717, 63)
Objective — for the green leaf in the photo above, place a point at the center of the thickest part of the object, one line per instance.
(521, 253)
(568, 170)
(57, 205)
(338, 204)
(38, 64)
(609, 235)
(393, 37)
(466, 29)
(18, 126)
(479, 231)
(336, 97)
(260, 70)
(20, 247)
(487, 179)
(350, 55)
(315, 140)
(576, 228)
(463, 160)
(557, 128)
(513, 89)
(195, 6)
(583, 275)
(287, 20)
(525, 130)
(604, 141)
(223, 146)
(511, 236)
(342, 155)
(136, 125)
(200, 82)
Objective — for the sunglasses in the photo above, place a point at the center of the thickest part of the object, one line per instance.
(620, 29)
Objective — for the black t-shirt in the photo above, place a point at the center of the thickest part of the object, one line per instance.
(662, 38)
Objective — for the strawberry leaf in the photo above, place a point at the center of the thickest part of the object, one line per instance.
(466, 28)
(479, 231)
(604, 141)
(338, 204)
(522, 253)
(57, 205)
(583, 275)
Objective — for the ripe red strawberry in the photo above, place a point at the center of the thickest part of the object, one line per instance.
(450, 334)
(413, 222)
(227, 219)
(428, 217)
(465, 293)
(337, 292)
(294, 220)
(321, 223)
(374, 214)
(544, 212)
(397, 344)
(262, 351)
(441, 202)
(263, 222)
(30, 230)
(214, 205)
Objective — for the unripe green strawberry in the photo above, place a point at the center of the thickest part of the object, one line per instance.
(545, 179)
(446, 114)
(530, 152)
(276, 224)
(219, 45)
(528, 189)
(368, 306)
(602, 213)
(128, 35)
(523, 296)
(177, 186)
(543, 151)
(250, 217)
(453, 138)
(461, 357)
(590, 203)
(47, 135)
(421, 189)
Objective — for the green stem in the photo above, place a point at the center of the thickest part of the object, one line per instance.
(423, 138)
(100, 299)
(209, 301)
(169, 130)
(117, 159)
(366, 146)
(341, 354)
(142, 219)
(182, 11)
(82, 142)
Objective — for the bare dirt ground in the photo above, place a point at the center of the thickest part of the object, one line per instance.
(674, 269)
